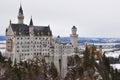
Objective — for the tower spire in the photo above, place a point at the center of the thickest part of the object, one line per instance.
(20, 10)
(10, 21)
(31, 21)
(20, 15)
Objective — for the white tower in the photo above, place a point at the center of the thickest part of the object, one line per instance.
(74, 37)
(20, 15)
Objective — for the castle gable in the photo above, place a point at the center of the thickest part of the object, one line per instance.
(9, 31)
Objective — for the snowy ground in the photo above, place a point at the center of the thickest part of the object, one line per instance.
(2, 46)
(114, 54)
(115, 66)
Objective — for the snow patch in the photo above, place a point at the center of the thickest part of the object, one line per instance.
(115, 66)
(114, 54)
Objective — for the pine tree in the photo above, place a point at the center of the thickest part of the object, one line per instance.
(1, 58)
(92, 60)
(9, 62)
(80, 70)
(53, 71)
(36, 69)
(19, 74)
(15, 63)
(106, 62)
(86, 57)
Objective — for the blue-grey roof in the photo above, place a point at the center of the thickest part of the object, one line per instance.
(20, 29)
(23, 30)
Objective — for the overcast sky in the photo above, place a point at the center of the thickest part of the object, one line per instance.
(93, 18)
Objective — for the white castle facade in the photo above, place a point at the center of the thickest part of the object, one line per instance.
(24, 42)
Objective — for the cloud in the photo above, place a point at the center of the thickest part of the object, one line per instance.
(93, 18)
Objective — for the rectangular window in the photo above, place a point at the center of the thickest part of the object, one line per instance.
(17, 42)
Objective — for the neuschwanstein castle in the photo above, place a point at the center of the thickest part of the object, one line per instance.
(24, 42)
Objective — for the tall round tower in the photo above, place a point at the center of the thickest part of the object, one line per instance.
(74, 37)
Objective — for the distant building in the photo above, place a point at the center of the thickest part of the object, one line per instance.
(24, 42)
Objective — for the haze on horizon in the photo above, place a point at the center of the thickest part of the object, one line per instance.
(93, 18)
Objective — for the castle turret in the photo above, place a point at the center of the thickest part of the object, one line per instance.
(74, 37)
(74, 30)
(58, 40)
(31, 22)
(20, 15)
(31, 27)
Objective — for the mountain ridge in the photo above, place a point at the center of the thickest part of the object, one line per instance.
(83, 39)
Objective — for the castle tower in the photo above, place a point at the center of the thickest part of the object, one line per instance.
(20, 15)
(74, 37)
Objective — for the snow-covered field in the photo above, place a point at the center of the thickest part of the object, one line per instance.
(2, 46)
(2, 42)
(115, 66)
(114, 54)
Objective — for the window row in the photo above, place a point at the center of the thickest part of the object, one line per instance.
(37, 38)
(27, 54)
(32, 42)
(32, 50)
